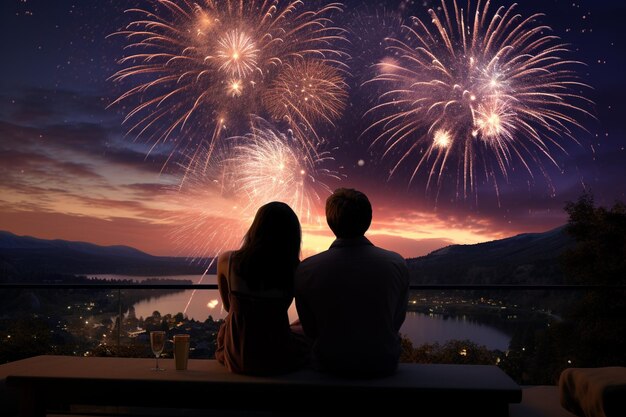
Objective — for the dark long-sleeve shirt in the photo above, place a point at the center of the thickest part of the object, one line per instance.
(351, 301)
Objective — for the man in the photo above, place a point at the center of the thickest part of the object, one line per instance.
(352, 298)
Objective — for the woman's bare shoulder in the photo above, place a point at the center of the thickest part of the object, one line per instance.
(223, 257)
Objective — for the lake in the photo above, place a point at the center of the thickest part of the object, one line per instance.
(418, 327)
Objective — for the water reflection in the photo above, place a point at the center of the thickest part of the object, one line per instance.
(418, 327)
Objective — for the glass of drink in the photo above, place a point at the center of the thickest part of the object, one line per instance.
(157, 343)
(181, 351)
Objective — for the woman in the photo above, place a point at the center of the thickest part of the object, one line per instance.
(256, 287)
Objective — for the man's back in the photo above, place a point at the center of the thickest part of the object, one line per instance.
(352, 300)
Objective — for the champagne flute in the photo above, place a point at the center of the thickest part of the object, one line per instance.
(157, 343)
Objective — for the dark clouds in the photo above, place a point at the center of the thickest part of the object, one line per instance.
(70, 122)
(62, 151)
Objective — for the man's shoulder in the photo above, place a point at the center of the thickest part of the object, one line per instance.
(395, 263)
(314, 259)
(391, 255)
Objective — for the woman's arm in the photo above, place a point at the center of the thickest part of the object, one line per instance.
(222, 278)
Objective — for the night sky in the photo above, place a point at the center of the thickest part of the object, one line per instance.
(68, 170)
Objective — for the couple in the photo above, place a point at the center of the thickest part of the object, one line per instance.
(351, 299)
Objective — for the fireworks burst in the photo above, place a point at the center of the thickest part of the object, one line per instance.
(270, 166)
(479, 88)
(202, 66)
(220, 199)
(307, 92)
(238, 54)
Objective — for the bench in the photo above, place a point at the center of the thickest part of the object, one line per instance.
(58, 383)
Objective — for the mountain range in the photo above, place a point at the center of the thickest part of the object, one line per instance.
(530, 258)
(25, 256)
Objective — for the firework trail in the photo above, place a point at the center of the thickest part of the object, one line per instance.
(219, 200)
(477, 88)
(207, 220)
(195, 67)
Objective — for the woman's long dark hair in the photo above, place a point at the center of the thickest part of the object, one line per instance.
(271, 248)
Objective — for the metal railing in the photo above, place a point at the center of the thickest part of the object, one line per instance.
(514, 287)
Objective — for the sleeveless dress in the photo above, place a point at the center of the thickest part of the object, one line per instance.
(256, 338)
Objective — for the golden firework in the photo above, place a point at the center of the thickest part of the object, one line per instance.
(308, 92)
(189, 64)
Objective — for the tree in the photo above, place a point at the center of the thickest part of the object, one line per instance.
(599, 256)
(593, 330)
(25, 337)
(453, 351)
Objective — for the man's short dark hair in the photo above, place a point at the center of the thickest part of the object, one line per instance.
(348, 213)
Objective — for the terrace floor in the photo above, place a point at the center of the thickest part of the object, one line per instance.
(537, 401)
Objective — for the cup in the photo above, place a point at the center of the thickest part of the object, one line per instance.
(181, 351)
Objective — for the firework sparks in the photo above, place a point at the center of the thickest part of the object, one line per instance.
(220, 199)
(270, 166)
(307, 92)
(441, 139)
(235, 88)
(478, 88)
(191, 64)
(238, 53)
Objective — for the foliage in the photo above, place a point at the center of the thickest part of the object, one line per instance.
(26, 337)
(122, 351)
(599, 256)
(592, 332)
(453, 351)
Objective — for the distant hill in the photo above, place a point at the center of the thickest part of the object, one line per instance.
(529, 258)
(26, 256)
